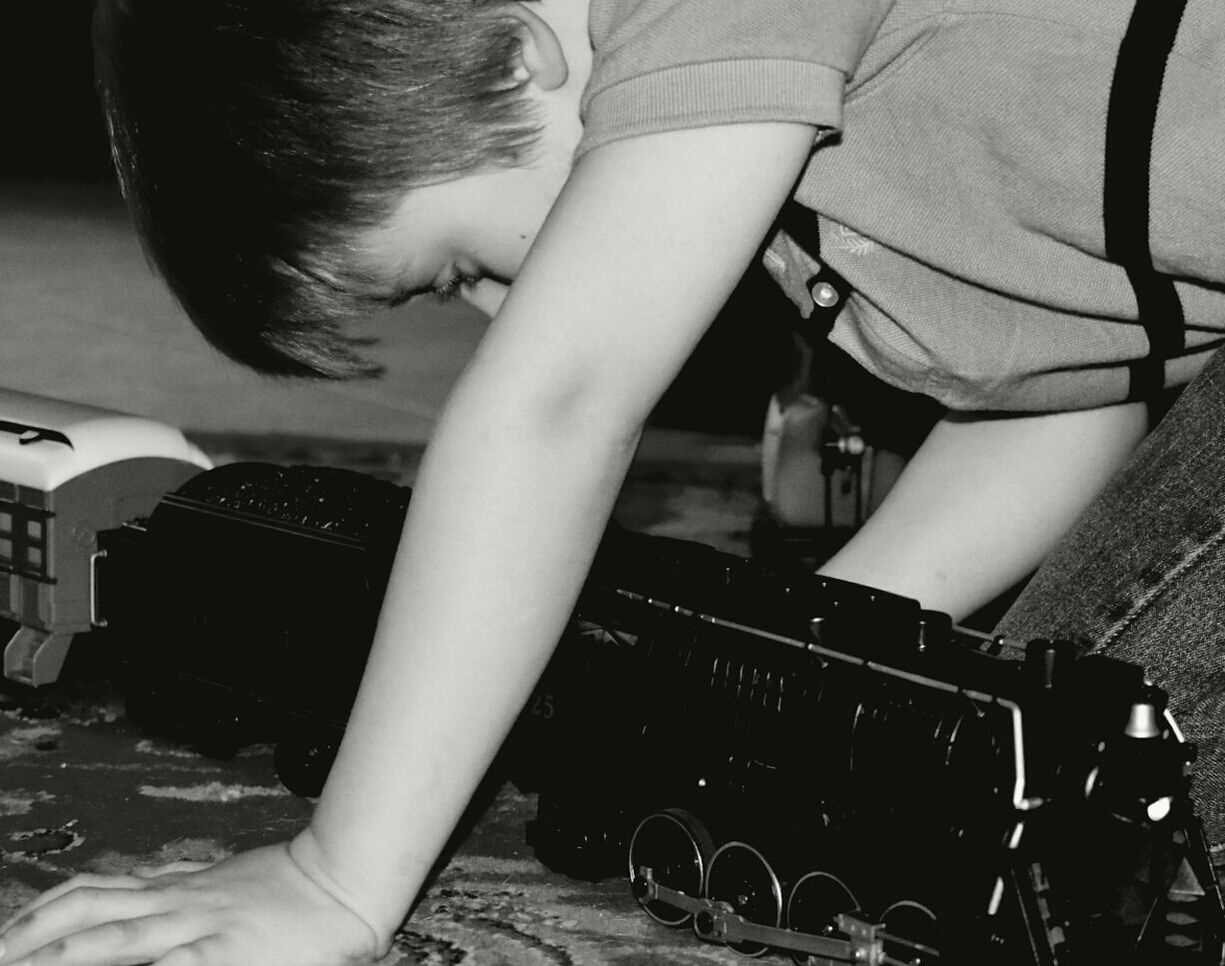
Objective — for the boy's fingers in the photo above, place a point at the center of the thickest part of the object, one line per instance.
(183, 865)
(125, 942)
(206, 950)
(79, 912)
(85, 880)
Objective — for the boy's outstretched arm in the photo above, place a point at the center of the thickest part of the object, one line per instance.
(984, 501)
(646, 241)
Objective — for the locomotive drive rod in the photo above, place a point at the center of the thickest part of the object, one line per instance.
(724, 925)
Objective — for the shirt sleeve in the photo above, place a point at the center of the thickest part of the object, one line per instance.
(668, 64)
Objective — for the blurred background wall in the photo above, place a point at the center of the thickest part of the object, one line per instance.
(82, 317)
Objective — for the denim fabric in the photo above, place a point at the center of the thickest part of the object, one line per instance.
(1142, 576)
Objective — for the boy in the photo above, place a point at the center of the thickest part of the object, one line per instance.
(622, 163)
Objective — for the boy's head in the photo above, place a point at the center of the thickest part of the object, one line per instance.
(258, 141)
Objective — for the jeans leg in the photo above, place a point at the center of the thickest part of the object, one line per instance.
(1141, 576)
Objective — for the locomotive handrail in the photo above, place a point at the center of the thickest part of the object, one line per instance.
(1174, 729)
(95, 612)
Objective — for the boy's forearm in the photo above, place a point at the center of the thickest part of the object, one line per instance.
(448, 674)
(984, 500)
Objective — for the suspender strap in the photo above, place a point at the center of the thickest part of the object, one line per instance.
(828, 290)
(1130, 121)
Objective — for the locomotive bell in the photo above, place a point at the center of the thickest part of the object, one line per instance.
(1144, 721)
(1145, 718)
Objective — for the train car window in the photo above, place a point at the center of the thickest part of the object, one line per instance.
(23, 540)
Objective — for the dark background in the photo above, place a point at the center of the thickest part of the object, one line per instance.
(46, 72)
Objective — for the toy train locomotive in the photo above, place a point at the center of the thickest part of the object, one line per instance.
(791, 763)
(779, 761)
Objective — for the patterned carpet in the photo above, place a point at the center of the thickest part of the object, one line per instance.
(86, 791)
(83, 789)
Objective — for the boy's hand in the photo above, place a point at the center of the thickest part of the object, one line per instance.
(255, 908)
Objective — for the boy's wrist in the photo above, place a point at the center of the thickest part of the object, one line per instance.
(311, 859)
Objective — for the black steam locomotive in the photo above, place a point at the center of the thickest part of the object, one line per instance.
(781, 762)
(790, 763)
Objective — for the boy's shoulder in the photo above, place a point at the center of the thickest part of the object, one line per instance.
(683, 31)
(670, 64)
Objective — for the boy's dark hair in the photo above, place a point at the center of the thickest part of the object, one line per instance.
(256, 140)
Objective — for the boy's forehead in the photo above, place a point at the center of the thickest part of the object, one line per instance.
(429, 223)
(402, 251)
(424, 217)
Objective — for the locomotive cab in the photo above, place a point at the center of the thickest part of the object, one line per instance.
(68, 470)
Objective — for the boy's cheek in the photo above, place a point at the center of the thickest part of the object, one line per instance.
(485, 295)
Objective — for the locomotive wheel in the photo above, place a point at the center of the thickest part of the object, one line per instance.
(676, 847)
(815, 900)
(740, 876)
(909, 927)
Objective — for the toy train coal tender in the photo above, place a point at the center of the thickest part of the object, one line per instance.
(780, 762)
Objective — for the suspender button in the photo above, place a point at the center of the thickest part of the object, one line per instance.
(824, 295)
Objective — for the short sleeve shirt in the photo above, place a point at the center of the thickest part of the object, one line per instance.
(664, 64)
(962, 195)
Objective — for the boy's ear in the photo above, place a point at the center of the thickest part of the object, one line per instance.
(541, 55)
